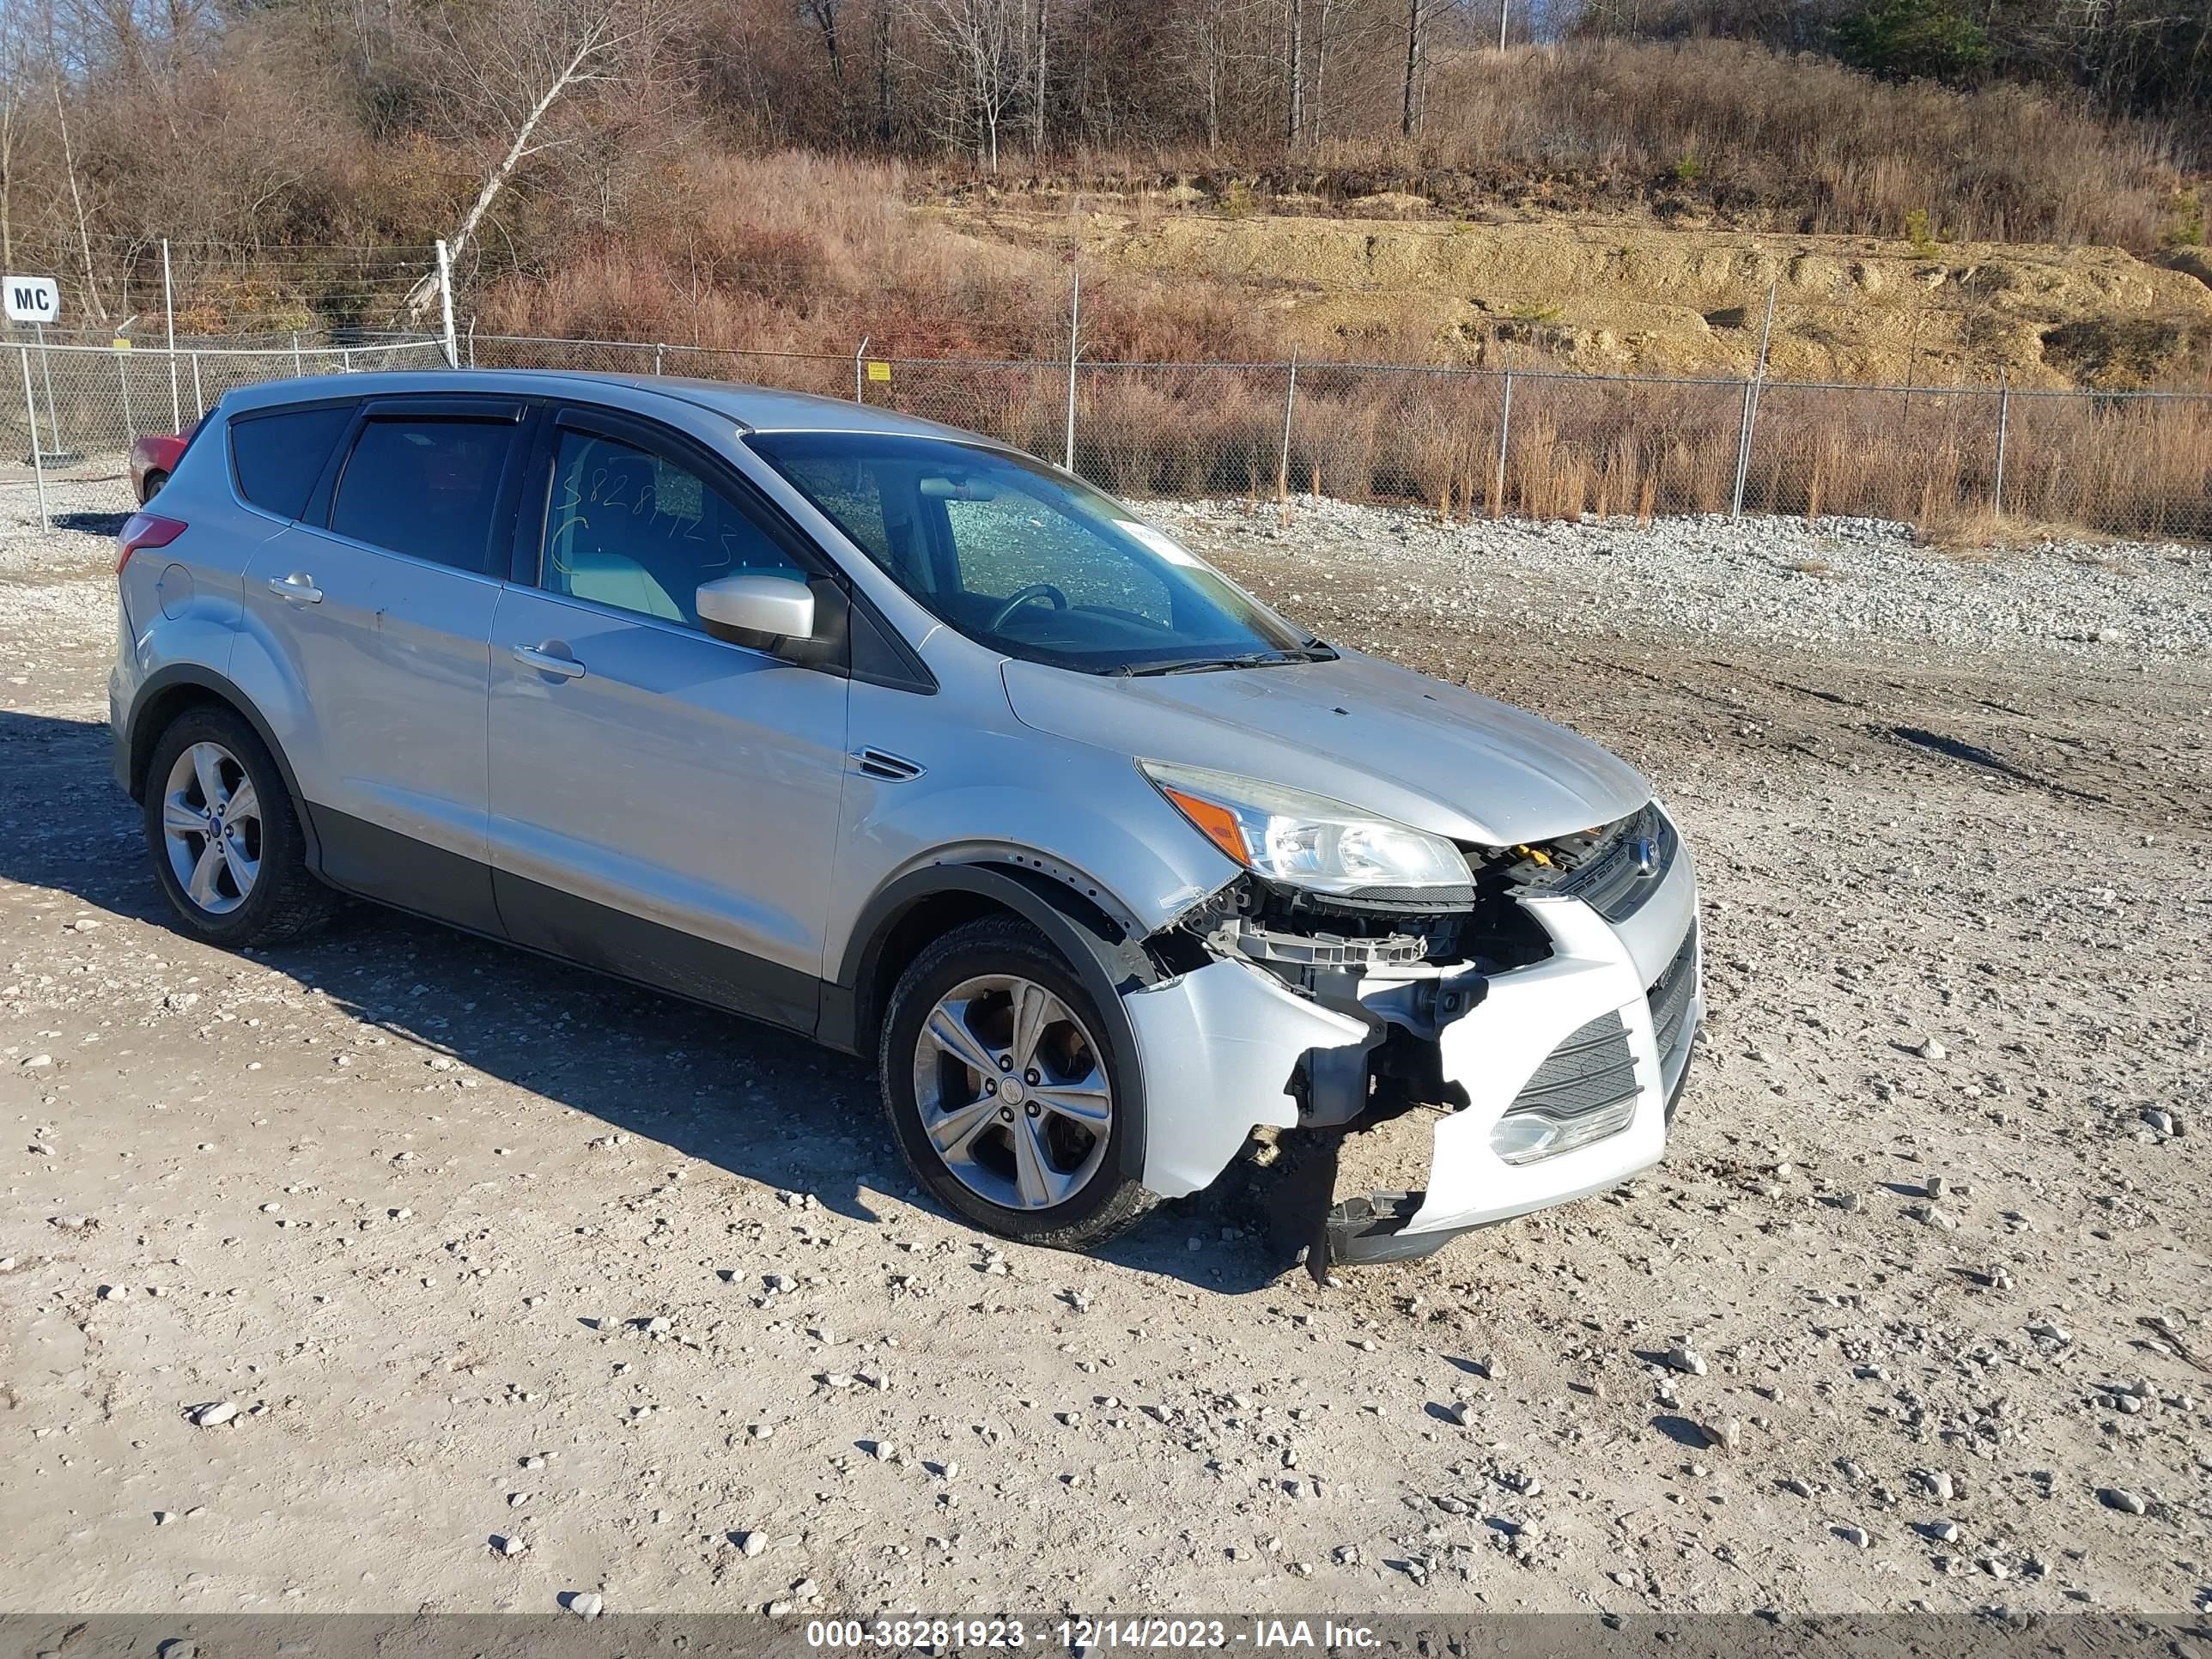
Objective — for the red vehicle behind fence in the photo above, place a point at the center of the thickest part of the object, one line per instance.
(152, 459)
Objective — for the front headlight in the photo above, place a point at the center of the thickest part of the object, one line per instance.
(1308, 841)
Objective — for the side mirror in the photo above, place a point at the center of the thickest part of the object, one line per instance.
(752, 609)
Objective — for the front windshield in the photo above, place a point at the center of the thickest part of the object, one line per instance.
(1026, 560)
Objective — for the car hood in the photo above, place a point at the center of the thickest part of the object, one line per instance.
(1359, 730)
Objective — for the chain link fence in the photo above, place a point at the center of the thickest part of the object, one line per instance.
(1461, 442)
(72, 412)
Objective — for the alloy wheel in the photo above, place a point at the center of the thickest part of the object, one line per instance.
(211, 828)
(1012, 1092)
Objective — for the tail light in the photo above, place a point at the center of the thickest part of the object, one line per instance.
(145, 530)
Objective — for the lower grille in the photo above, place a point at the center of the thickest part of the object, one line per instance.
(1591, 1070)
(1671, 994)
(1584, 1090)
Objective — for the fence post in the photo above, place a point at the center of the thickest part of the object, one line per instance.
(860, 352)
(38, 459)
(1074, 321)
(1283, 466)
(1743, 450)
(169, 313)
(2004, 423)
(199, 398)
(47, 373)
(1751, 408)
(123, 384)
(445, 303)
(472, 342)
(1504, 437)
(345, 360)
(657, 350)
(298, 363)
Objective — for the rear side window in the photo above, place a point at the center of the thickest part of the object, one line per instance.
(427, 487)
(278, 457)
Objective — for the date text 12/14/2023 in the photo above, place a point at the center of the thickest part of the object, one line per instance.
(1088, 1635)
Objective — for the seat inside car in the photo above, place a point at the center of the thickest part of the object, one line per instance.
(593, 545)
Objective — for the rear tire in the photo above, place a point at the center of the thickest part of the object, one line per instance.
(150, 486)
(1005, 1090)
(225, 836)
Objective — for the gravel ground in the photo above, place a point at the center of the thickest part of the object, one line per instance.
(1857, 583)
(397, 1270)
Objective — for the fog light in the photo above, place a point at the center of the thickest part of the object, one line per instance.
(1526, 1137)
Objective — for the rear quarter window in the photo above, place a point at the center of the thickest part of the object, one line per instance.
(276, 456)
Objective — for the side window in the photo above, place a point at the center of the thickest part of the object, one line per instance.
(278, 457)
(639, 531)
(1009, 541)
(873, 505)
(425, 487)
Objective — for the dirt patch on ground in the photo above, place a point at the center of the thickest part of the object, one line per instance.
(487, 1252)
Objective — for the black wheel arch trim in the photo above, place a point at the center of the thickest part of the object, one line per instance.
(1106, 960)
(141, 735)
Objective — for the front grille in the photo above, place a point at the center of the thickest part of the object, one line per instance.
(1590, 1071)
(1671, 994)
(1627, 867)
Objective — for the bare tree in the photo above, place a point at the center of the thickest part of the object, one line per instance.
(514, 67)
(886, 72)
(1417, 17)
(980, 41)
(824, 16)
(1040, 84)
(1212, 48)
(92, 301)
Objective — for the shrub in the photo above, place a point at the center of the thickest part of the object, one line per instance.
(1913, 41)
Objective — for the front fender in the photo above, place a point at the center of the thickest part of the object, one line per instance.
(1108, 961)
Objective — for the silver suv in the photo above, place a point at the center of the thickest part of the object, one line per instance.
(900, 740)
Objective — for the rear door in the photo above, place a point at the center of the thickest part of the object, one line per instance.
(664, 804)
(379, 603)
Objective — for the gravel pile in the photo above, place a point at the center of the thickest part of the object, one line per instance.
(1860, 581)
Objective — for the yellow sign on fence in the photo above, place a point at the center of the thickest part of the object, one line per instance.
(880, 371)
(122, 344)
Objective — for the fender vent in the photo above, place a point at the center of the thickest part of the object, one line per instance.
(882, 763)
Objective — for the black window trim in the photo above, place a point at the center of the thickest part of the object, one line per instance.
(230, 449)
(474, 409)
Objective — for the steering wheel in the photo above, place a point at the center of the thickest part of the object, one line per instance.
(1022, 596)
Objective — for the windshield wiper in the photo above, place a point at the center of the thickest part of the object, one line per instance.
(1315, 653)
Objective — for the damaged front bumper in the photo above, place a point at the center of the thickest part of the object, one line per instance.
(1585, 1050)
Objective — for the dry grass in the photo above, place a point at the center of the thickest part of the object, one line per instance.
(2114, 466)
(1975, 534)
(798, 252)
(1700, 128)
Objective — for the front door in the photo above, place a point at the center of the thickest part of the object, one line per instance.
(664, 804)
(378, 604)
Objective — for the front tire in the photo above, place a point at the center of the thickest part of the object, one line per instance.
(1005, 1091)
(225, 836)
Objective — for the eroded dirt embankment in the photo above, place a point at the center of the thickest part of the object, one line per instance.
(1628, 292)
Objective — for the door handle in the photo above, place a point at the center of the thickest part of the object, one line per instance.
(537, 657)
(299, 587)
